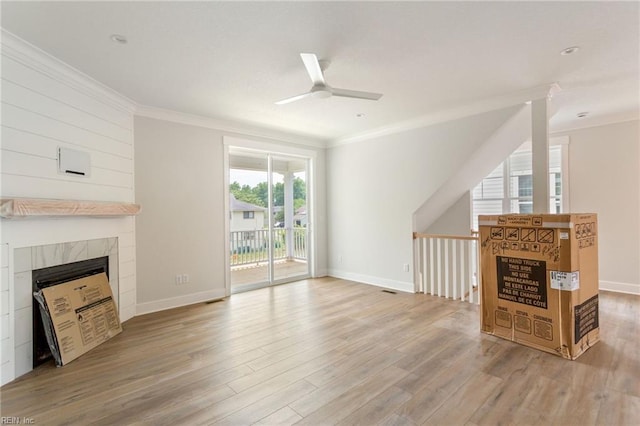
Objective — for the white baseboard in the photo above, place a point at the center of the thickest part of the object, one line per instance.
(176, 302)
(620, 287)
(321, 273)
(406, 287)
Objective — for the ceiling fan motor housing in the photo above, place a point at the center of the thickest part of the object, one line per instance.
(319, 91)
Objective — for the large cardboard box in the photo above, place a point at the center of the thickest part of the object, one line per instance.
(540, 280)
(78, 316)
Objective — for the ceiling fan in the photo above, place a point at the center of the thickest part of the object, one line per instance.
(320, 88)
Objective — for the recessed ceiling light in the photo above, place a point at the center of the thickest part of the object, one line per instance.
(117, 38)
(582, 114)
(569, 50)
(360, 115)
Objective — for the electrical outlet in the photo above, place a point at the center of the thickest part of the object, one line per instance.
(405, 267)
(340, 259)
(182, 279)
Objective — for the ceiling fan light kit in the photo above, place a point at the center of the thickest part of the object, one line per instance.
(320, 88)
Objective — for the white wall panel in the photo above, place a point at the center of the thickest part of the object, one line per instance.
(24, 75)
(27, 121)
(33, 187)
(32, 144)
(15, 163)
(30, 100)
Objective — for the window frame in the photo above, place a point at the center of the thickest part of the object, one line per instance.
(507, 175)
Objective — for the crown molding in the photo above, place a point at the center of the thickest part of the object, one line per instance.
(232, 127)
(461, 111)
(33, 57)
(594, 121)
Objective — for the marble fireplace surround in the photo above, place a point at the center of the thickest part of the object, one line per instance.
(26, 260)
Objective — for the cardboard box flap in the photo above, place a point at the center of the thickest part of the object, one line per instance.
(78, 316)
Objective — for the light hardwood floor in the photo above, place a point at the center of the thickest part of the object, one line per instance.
(330, 351)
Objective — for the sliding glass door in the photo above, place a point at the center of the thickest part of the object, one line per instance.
(268, 219)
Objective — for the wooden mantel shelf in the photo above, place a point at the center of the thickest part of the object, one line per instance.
(28, 207)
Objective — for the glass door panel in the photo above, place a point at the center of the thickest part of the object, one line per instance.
(290, 220)
(249, 220)
(269, 226)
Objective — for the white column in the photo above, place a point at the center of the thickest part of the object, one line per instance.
(540, 154)
(288, 212)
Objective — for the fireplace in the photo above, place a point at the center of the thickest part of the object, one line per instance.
(29, 258)
(51, 276)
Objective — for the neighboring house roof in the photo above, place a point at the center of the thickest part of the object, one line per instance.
(301, 213)
(242, 206)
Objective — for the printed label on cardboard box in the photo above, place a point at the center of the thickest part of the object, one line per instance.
(522, 281)
(586, 318)
(78, 315)
(567, 281)
(522, 323)
(543, 328)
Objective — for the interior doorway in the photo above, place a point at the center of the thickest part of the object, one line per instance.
(268, 218)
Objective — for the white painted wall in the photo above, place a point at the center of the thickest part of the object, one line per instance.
(456, 220)
(181, 230)
(604, 177)
(512, 132)
(375, 186)
(46, 105)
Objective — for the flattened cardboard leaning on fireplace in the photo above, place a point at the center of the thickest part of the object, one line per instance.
(78, 316)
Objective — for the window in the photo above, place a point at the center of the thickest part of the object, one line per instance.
(248, 215)
(509, 188)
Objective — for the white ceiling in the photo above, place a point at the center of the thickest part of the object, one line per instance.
(233, 60)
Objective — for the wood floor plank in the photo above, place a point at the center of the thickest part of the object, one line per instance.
(342, 406)
(436, 389)
(558, 401)
(292, 362)
(618, 408)
(337, 387)
(458, 408)
(268, 405)
(379, 407)
(330, 351)
(283, 417)
(624, 372)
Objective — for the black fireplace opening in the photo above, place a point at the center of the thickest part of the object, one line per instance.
(55, 275)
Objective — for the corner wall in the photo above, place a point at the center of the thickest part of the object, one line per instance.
(181, 229)
(375, 186)
(456, 220)
(604, 178)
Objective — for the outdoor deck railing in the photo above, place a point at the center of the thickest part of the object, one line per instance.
(448, 266)
(252, 247)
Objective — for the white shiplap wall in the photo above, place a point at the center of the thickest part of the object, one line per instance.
(46, 105)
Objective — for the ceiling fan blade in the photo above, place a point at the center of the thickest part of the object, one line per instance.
(355, 94)
(313, 68)
(293, 98)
